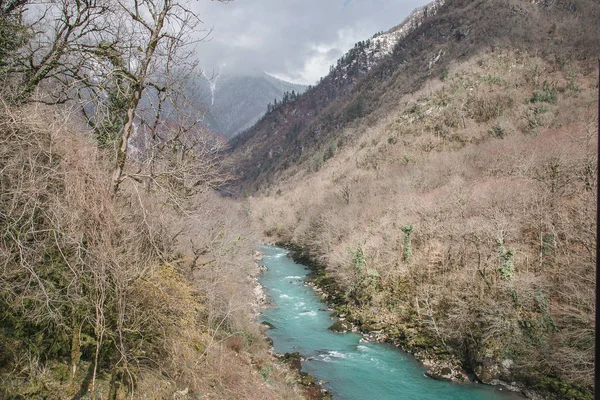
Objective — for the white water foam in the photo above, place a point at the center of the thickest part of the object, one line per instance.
(311, 313)
(375, 360)
(337, 354)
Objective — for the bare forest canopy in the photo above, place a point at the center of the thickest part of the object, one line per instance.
(449, 189)
(123, 273)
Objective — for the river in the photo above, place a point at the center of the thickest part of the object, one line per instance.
(352, 369)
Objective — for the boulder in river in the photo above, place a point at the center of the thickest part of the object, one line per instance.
(340, 326)
(268, 325)
(446, 372)
(293, 359)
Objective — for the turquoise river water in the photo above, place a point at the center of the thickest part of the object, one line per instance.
(351, 369)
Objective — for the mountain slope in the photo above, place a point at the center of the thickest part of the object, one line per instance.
(450, 191)
(237, 102)
(556, 30)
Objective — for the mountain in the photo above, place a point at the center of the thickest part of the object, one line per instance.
(447, 189)
(236, 102)
(430, 44)
(289, 130)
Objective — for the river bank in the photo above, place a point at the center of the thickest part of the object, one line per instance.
(306, 383)
(350, 365)
(438, 360)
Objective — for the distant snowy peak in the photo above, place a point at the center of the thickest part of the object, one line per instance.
(383, 44)
(366, 54)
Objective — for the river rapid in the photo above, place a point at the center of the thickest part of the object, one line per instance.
(350, 368)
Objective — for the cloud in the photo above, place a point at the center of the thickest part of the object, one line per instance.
(295, 40)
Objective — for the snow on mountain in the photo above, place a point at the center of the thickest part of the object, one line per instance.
(384, 43)
(236, 102)
(366, 54)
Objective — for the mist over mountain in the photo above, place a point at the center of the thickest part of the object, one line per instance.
(236, 101)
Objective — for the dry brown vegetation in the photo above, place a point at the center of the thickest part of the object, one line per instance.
(140, 295)
(310, 130)
(462, 217)
(135, 285)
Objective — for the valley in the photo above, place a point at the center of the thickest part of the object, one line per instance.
(422, 219)
(449, 192)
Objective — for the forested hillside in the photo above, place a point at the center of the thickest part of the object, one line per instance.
(289, 128)
(363, 86)
(450, 192)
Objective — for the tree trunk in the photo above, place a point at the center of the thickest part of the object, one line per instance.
(128, 126)
(75, 346)
(126, 131)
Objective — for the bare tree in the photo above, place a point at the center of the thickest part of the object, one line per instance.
(128, 63)
(59, 31)
(161, 32)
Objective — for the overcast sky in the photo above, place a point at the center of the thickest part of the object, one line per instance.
(296, 40)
